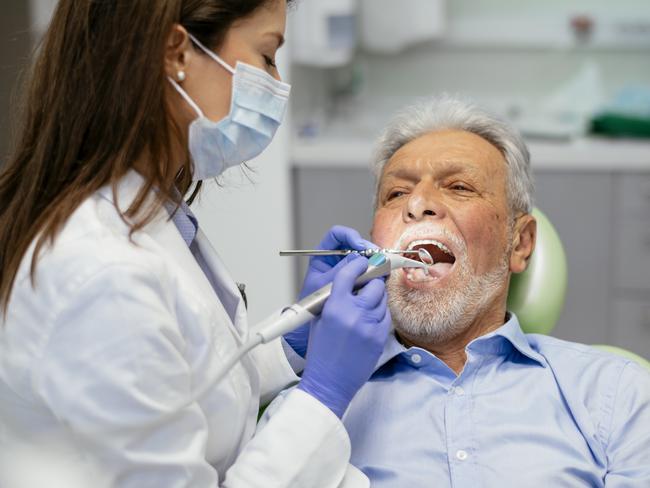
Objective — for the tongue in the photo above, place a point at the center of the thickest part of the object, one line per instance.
(438, 270)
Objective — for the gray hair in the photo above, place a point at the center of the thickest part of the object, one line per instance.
(446, 112)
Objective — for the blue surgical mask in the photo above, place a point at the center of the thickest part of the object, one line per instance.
(257, 107)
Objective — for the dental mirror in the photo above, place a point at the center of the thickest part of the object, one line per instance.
(425, 257)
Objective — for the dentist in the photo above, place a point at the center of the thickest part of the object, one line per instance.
(114, 308)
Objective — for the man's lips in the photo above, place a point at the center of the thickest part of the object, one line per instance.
(443, 262)
(439, 251)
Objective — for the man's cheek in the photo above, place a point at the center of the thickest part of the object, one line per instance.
(384, 230)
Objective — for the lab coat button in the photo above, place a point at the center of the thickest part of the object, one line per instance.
(461, 455)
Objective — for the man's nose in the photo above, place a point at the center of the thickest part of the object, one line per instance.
(424, 203)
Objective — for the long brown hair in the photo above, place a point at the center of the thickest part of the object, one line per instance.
(95, 104)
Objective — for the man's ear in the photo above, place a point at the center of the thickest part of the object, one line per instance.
(523, 242)
(177, 52)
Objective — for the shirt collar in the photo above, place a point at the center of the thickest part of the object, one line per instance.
(512, 333)
(499, 341)
(184, 220)
(392, 349)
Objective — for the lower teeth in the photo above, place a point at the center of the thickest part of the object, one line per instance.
(418, 275)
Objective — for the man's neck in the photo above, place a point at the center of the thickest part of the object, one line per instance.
(452, 350)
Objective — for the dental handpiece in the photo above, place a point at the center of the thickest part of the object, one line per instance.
(309, 307)
(422, 253)
(306, 309)
(303, 311)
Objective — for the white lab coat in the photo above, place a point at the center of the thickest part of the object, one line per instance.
(117, 334)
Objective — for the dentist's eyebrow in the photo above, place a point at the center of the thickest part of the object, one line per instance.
(279, 37)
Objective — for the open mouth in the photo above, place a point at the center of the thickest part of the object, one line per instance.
(443, 260)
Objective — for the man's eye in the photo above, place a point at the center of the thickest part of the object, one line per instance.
(460, 187)
(269, 61)
(394, 194)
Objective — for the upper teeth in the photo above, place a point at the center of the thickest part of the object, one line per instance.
(440, 245)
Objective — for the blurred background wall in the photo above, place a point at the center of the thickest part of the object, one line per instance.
(573, 76)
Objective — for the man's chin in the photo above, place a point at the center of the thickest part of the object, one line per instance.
(425, 316)
(430, 333)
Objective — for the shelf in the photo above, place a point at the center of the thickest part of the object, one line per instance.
(588, 154)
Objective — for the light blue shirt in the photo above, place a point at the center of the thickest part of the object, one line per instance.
(526, 411)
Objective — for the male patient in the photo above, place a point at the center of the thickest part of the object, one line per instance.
(462, 397)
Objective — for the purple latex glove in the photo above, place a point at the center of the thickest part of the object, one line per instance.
(321, 271)
(347, 339)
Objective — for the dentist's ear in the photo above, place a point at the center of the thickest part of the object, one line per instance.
(177, 53)
(523, 242)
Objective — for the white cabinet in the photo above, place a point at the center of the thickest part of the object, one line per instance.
(630, 315)
(630, 327)
(579, 204)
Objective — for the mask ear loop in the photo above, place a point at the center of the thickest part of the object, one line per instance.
(225, 65)
(182, 92)
(186, 97)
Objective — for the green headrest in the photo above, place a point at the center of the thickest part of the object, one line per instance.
(625, 353)
(537, 295)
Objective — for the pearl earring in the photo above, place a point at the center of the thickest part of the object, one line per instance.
(181, 75)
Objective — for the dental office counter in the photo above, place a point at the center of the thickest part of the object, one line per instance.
(595, 191)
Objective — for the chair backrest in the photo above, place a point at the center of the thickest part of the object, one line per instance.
(537, 295)
(624, 353)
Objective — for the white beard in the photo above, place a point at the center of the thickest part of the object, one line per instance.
(441, 314)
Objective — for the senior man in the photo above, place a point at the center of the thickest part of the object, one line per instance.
(462, 397)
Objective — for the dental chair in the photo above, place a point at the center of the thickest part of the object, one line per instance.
(537, 295)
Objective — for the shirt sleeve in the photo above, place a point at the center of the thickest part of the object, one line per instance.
(628, 448)
(329, 456)
(296, 361)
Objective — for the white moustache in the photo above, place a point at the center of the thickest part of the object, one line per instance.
(428, 231)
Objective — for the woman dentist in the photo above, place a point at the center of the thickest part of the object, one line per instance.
(115, 308)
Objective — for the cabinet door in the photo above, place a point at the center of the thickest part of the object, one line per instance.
(633, 195)
(327, 196)
(631, 250)
(579, 204)
(630, 328)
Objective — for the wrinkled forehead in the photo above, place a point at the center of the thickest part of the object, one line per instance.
(445, 153)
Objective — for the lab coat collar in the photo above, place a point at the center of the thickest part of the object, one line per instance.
(229, 293)
(163, 231)
(125, 192)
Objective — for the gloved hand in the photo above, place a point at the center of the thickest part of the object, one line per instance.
(347, 339)
(321, 271)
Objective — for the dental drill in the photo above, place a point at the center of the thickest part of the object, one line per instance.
(303, 311)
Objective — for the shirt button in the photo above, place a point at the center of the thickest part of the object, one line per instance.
(459, 391)
(461, 455)
(416, 359)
